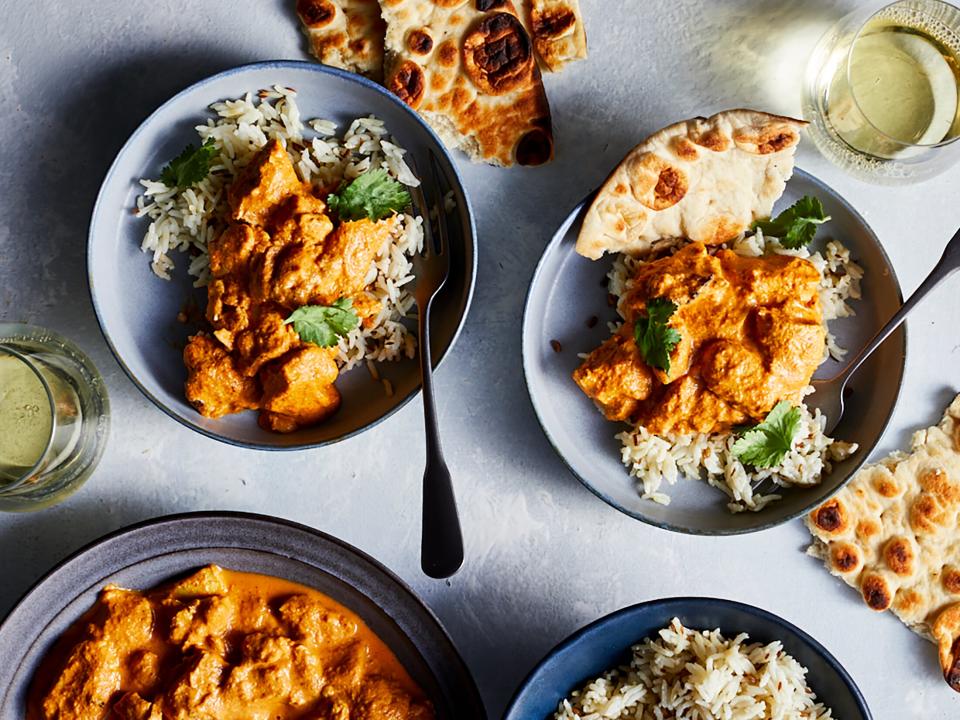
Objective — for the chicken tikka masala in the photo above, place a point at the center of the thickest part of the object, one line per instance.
(749, 333)
(280, 252)
(223, 645)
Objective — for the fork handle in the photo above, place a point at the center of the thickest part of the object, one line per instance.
(949, 263)
(441, 543)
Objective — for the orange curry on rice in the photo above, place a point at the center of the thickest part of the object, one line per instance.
(223, 645)
(279, 252)
(751, 334)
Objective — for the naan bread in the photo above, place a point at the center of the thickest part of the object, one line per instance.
(468, 68)
(558, 33)
(894, 534)
(347, 34)
(705, 179)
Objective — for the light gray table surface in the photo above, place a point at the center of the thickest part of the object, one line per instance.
(544, 556)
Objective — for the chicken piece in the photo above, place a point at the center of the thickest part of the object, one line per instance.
(312, 622)
(308, 273)
(143, 670)
(195, 693)
(685, 406)
(267, 339)
(203, 623)
(91, 676)
(133, 707)
(228, 309)
(214, 386)
(615, 377)
(231, 251)
(793, 340)
(385, 699)
(303, 203)
(209, 580)
(299, 389)
(267, 181)
(263, 673)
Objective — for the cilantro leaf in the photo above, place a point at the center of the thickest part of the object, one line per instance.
(795, 226)
(189, 167)
(653, 336)
(323, 325)
(373, 195)
(765, 445)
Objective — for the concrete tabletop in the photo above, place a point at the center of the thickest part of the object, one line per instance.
(544, 556)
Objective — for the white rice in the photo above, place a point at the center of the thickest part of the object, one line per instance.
(692, 675)
(186, 220)
(653, 460)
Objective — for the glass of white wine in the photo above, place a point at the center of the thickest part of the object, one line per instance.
(54, 417)
(881, 91)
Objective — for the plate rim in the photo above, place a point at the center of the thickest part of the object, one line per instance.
(281, 64)
(535, 278)
(701, 601)
(463, 670)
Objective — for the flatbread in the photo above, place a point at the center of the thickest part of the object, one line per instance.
(892, 534)
(347, 34)
(559, 36)
(705, 179)
(469, 69)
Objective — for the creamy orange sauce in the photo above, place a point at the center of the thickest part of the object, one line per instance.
(223, 645)
(751, 333)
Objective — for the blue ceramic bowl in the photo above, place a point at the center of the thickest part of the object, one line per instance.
(138, 311)
(606, 643)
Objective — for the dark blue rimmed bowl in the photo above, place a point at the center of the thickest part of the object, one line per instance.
(606, 643)
(138, 311)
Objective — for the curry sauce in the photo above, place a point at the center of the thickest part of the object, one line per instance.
(223, 645)
(751, 334)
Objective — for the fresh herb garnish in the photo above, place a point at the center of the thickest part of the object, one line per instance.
(373, 195)
(765, 445)
(189, 167)
(795, 226)
(653, 336)
(323, 325)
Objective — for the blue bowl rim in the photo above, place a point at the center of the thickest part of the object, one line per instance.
(704, 602)
(323, 70)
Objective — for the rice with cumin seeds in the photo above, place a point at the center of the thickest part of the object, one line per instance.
(687, 674)
(653, 460)
(186, 220)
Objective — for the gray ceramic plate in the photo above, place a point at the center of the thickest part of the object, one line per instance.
(156, 551)
(568, 289)
(137, 311)
(606, 643)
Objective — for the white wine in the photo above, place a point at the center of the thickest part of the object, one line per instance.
(26, 417)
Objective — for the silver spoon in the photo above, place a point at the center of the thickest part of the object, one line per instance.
(829, 393)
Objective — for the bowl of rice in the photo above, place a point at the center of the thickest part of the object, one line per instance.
(695, 483)
(689, 659)
(147, 254)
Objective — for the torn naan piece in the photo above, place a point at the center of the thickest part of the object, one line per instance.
(559, 36)
(705, 179)
(347, 34)
(468, 68)
(893, 533)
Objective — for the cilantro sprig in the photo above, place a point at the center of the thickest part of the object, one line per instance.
(324, 325)
(373, 195)
(765, 445)
(190, 166)
(797, 225)
(653, 336)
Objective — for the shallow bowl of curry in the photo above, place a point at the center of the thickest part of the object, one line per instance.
(138, 312)
(162, 552)
(566, 315)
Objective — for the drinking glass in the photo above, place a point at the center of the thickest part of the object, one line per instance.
(881, 91)
(54, 417)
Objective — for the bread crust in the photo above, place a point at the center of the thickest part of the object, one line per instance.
(347, 34)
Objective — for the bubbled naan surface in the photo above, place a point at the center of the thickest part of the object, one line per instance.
(346, 34)
(893, 533)
(705, 179)
(559, 36)
(468, 67)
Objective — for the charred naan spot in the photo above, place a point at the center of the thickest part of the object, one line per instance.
(844, 557)
(951, 579)
(447, 53)
(907, 601)
(419, 42)
(670, 188)
(866, 529)
(684, 149)
(886, 486)
(952, 674)
(497, 54)
(360, 46)
(898, 555)
(712, 139)
(535, 148)
(407, 83)
(776, 143)
(830, 517)
(316, 13)
(620, 189)
(553, 23)
(488, 5)
(766, 141)
(876, 593)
